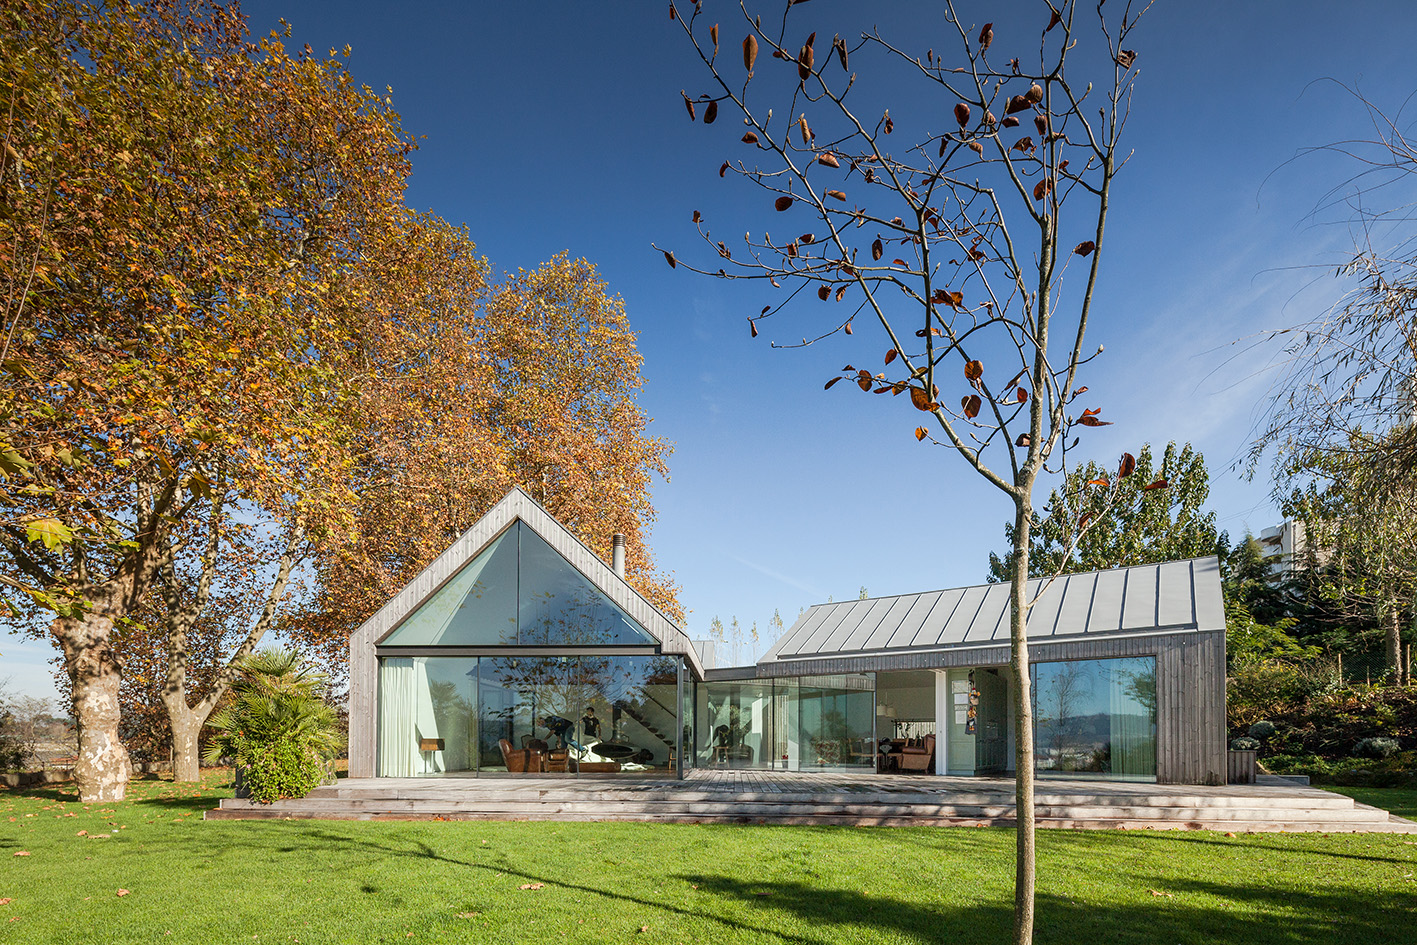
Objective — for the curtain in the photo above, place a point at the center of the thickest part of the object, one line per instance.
(398, 742)
(425, 722)
(1133, 723)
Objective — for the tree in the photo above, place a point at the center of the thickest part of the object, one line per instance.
(469, 388)
(1096, 521)
(953, 243)
(1360, 534)
(1342, 417)
(178, 305)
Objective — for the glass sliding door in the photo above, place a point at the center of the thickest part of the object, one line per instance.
(1096, 718)
(836, 719)
(427, 716)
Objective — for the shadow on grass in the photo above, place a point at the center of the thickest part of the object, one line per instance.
(1262, 909)
(146, 792)
(1255, 913)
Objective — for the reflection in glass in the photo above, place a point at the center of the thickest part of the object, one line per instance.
(557, 605)
(426, 720)
(1096, 718)
(478, 607)
(790, 724)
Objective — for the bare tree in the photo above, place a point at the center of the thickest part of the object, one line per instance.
(1341, 422)
(954, 244)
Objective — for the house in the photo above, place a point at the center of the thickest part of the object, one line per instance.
(520, 651)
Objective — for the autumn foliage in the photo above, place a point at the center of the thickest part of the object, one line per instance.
(220, 314)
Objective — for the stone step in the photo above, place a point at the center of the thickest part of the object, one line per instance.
(1394, 825)
(651, 809)
(1305, 801)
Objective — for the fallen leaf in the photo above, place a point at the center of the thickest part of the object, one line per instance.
(82, 833)
(122, 892)
(5, 902)
(22, 853)
(531, 885)
(1155, 892)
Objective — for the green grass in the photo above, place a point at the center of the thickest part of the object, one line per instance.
(1400, 801)
(336, 882)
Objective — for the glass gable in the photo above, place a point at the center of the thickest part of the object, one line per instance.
(519, 591)
(557, 605)
(478, 607)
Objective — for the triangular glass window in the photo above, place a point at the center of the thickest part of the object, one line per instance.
(478, 607)
(558, 605)
(519, 591)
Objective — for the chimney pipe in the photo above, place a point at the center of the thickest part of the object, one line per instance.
(617, 554)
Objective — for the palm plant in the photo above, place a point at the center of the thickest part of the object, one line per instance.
(278, 726)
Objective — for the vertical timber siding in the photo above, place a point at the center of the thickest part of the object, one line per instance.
(1190, 711)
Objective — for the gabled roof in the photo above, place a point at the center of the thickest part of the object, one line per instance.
(1172, 597)
(518, 506)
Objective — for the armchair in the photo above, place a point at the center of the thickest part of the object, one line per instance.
(918, 757)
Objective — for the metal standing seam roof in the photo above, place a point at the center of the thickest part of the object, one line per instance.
(1173, 596)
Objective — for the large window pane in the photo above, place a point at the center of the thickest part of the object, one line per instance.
(836, 715)
(1096, 718)
(559, 606)
(427, 723)
(478, 607)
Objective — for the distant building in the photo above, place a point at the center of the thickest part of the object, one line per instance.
(1281, 544)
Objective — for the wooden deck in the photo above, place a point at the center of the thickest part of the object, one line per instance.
(745, 796)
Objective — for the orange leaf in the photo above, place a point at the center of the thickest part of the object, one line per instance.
(973, 371)
(836, 195)
(921, 433)
(1129, 466)
(971, 405)
(749, 138)
(1158, 484)
(122, 892)
(920, 399)
(823, 292)
(829, 159)
(1022, 395)
(804, 63)
(1098, 482)
(830, 383)
(891, 355)
(1094, 422)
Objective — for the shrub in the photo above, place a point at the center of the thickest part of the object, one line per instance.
(1244, 743)
(278, 728)
(278, 769)
(1262, 729)
(1376, 747)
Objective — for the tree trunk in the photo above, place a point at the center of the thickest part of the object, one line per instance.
(186, 726)
(1023, 727)
(103, 769)
(1394, 643)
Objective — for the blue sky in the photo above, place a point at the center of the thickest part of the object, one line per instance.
(559, 126)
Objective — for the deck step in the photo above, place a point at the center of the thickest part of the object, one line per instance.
(861, 801)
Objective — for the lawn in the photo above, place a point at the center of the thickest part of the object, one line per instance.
(1401, 801)
(150, 870)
